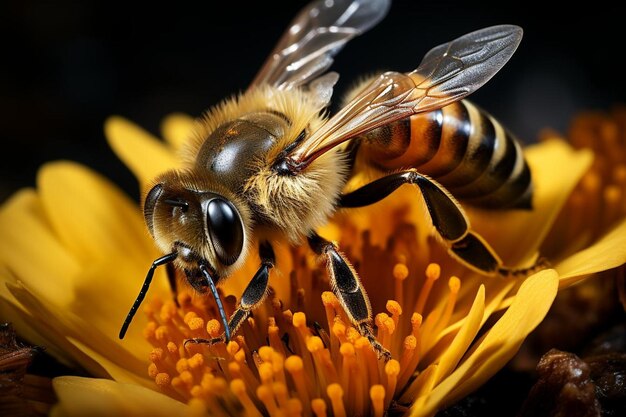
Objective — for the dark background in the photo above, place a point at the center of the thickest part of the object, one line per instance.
(67, 65)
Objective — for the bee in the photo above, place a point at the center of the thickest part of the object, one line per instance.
(269, 165)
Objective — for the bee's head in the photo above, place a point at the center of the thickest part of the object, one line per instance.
(192, 217)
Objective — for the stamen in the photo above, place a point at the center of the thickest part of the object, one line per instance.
(219, 389)
(295, 367)
(195, 324)
(168, 312)
(433, 272)
(299, 322)
(173, 350)
(338, 364)
(352, 334)
(335, 393)
(395, 309)
(234, 370)
(400, 273)
(265, 352)
(409, 359)
(392, 370)
(213, 328)
(377, 394)
(187, 378)
(274, 337)
(278, 367)
(182, 365)
(152, 370)
(265, 373)
(455, 285)
(149, 333)
(381, 321)
(321, 358)
(612, 198)
(367, 355)
(591, 187)
(294, 407)
(338, 336)
(333, 308)
(416, 323)
(162, 379)
(319, 407)
(348, 363)
(265, 394)
(281, 394)
(232, 348)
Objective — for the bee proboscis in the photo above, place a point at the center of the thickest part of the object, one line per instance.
(269, 165)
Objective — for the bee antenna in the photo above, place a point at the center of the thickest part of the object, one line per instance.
(144, 289)
(218, 301)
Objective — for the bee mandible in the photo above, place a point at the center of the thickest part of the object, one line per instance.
(269, 165)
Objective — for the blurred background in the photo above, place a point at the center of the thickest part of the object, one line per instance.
(68, 65)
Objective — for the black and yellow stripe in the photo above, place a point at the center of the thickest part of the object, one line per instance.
(463, 148)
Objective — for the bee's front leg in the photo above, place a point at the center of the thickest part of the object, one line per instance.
(252, 297)
(347, 287)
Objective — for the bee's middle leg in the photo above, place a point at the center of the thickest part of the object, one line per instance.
(448, 219)
(347, 287)
(252, 296)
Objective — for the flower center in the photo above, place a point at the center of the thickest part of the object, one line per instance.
(289, 363)
(597, 202)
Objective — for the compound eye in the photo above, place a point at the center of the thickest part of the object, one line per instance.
(148, 206)
(225, 230)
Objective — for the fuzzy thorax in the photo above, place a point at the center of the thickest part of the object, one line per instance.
(293, 205)
(301, 203)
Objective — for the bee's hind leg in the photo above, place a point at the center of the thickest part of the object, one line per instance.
(448, 219)
(347, 287)
(252, 296)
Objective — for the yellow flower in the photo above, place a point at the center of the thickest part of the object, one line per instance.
(74, 251)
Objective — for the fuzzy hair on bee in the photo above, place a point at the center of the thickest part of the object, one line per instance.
(270, 165)
(283, 201)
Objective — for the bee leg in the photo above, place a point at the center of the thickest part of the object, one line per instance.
(348, 289)
(448, 219)
(252, 296)
(171, 279)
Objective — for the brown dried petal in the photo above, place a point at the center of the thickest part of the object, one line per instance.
(564, 388)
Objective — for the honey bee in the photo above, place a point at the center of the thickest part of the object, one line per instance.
(270, 165)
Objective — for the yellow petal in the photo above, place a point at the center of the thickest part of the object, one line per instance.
(100, 397)
(498, 346)
(497, 290)
(118, 372)
(455, 351)
(517, 234)
(176, 129)
(69, 325)
(42, 326)
(31, 251)
(104, 297)
(36, 333)
(145, 155)
(608, 252)
(91, 216)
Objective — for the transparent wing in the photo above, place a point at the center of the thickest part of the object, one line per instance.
(318, 32)
(458, 68)
(448, 73)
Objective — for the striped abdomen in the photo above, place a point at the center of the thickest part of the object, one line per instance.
(461, 147)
